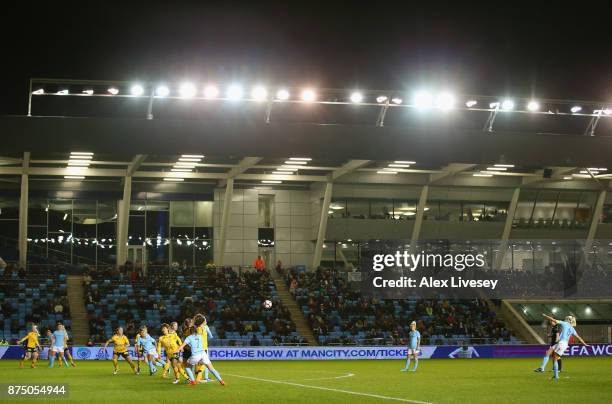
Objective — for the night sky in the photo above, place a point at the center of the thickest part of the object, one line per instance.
(559, 51)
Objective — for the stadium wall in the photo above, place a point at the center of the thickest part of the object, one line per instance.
(345, 353)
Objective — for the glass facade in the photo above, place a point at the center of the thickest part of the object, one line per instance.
(74, 231)
(9, 222)
(357, 208)
(554, 209)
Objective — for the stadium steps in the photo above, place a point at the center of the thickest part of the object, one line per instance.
(78, 312)
(297, 316)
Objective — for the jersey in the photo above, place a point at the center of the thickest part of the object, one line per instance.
(196, 343)
(413, 339)
(170, 343)
(59, 339)
(566, 331)
(204, 331)
(147, 343)
(556, 329)
(120, 343)
(31, 340)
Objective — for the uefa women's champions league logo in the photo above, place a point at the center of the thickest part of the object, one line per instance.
(83, 353)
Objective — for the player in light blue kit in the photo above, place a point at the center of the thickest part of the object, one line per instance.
(199, 356)
(414, 347)
(59, 340)
(150, 351)
(557, 350)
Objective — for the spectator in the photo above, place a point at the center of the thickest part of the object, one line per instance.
(259, 264)
(58, 309)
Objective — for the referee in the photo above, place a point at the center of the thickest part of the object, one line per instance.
(554, 338)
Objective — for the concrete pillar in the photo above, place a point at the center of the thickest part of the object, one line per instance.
(503, 242)
(225, 215)
(418, 223)
(597, 211)
(316, 259)
(23, 222)
(123, 219)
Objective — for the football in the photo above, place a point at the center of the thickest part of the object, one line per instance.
(267, 304)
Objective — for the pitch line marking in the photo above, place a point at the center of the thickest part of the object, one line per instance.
(331, 378)
(356, 393)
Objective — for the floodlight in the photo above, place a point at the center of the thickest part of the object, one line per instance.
(162, 91)
(446, 100)
(137, 90)
(211, 91)
(533, 106)
(356, 97)
(576, 108)
(471, 103)
(187, 90)
(259, 93)
(507, 105)
(309, 95)
(113, 91)
(396, 100)
(381, 98)
(62, 92)
(40, 91)
(234, 92)
(282, 94)
(88, 91)
(422, 99)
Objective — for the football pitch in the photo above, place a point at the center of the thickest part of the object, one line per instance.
(584, 380)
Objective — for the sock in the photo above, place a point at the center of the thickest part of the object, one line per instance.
(217, 375)
(556, 368)
(544, 362)
(183, 373)
(52, 361)
(66, 362)
(190, 373)
(166, 366)
(205, 373)
(416, 363)
(407, 364)
(560, 364)
(160, 362)
(151, 366)
(198, 372)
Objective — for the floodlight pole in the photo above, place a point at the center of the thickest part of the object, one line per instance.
(498, 260)
(590, 131)
(380, 121)
(23, 212)
(30, 100)
(491, 120)
(418, 223)
(150, 107)
(322, 230)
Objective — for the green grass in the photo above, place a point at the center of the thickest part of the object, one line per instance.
(586, 380)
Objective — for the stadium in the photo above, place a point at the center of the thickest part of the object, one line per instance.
(250, 240)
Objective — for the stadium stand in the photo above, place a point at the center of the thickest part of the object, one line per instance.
(339, 315)
(38, 296)
(232, 301)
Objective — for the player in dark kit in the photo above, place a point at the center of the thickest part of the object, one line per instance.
(554, 338)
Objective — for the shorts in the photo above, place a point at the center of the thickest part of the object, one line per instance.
(560, 347)
(57, 349)
(200, 358)
(124, 355)
(413, 351)
(174, 356)
(153, 353)
(30, 350)
(186, 354)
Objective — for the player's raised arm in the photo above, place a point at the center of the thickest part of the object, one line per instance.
(107, 342)
(579, 338)
(554, 320)
(210, 335)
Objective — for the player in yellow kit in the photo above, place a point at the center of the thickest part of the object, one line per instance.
(120, 345)
(202, 329)
(170, 342)
(30, 342)
(174, 330)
